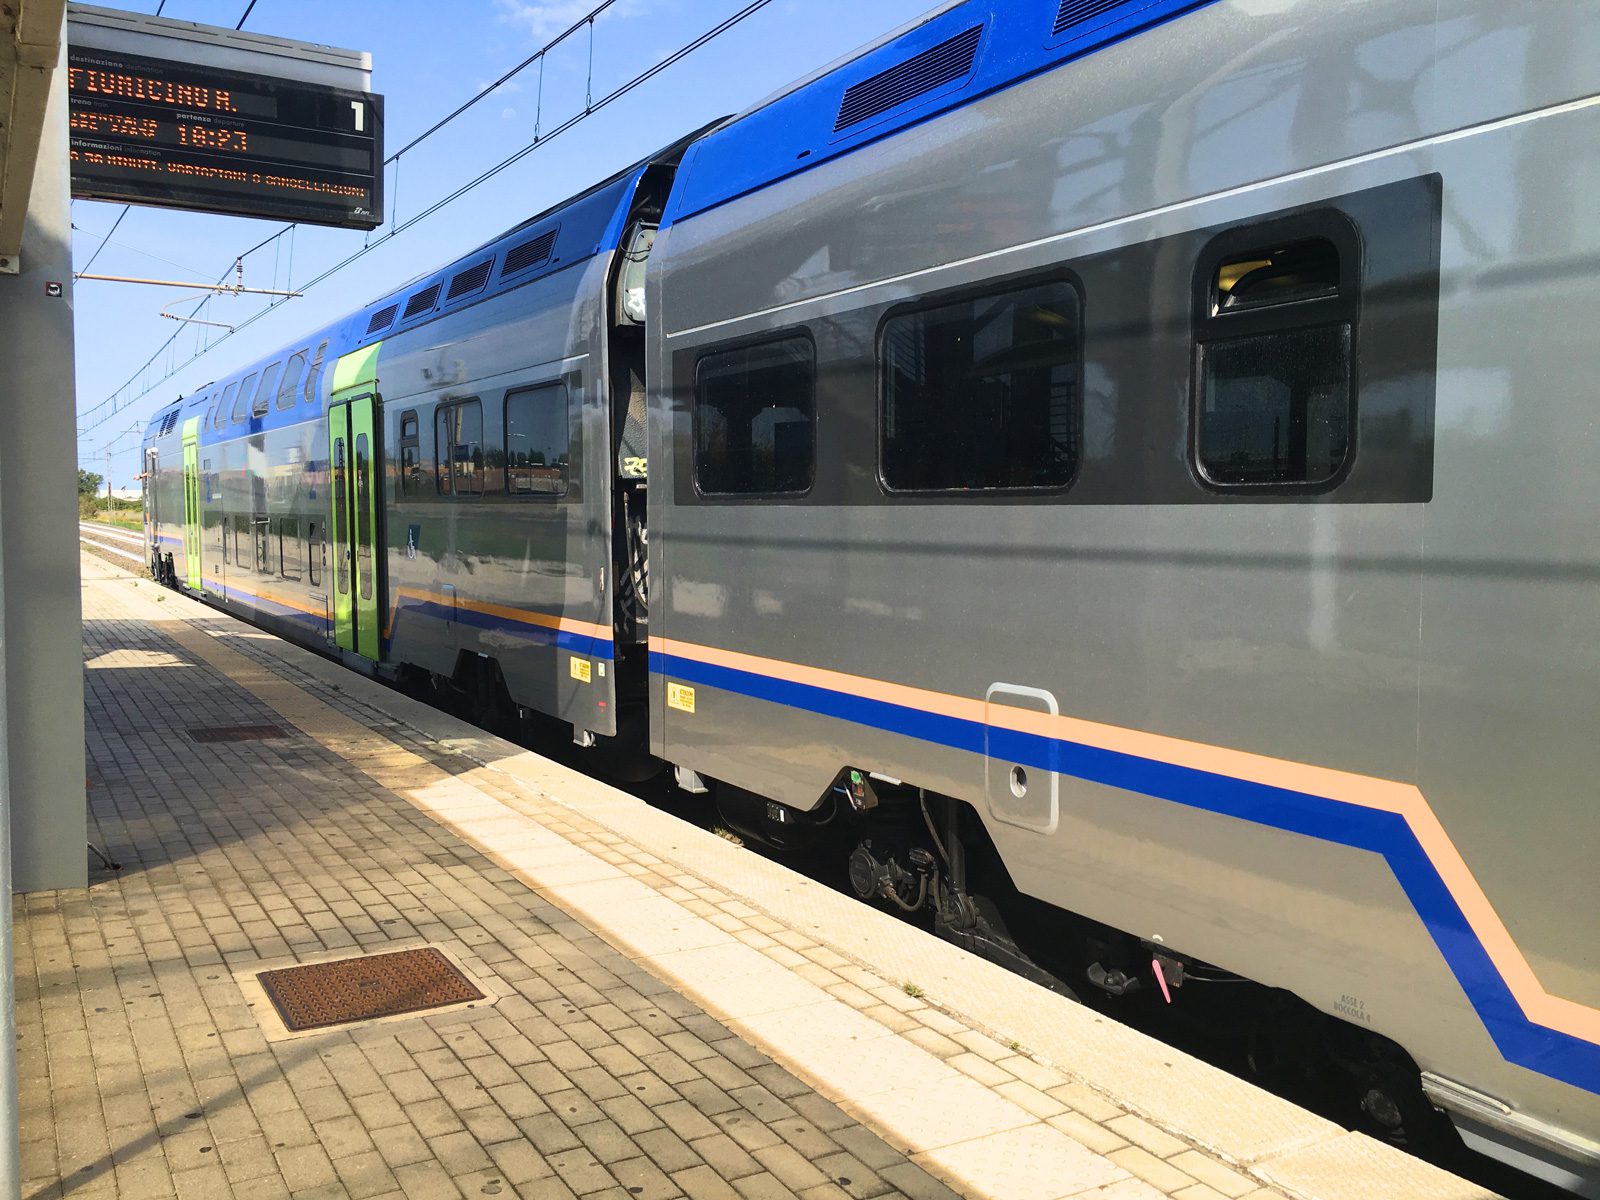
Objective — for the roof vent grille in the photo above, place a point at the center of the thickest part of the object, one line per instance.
(382, 318)
(529, 253)
(168, 422)
(422, 302)
(945, 63)
(1076, 12)
(470, 280)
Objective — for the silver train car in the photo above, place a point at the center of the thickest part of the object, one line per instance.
(1116, 470)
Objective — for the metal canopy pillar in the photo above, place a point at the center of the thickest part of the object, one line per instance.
(41, 636)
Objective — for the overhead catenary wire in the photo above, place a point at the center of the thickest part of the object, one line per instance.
(110, 405)
(89, 418)
(107, 238)
(103, 241)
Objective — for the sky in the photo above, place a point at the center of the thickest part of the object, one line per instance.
(427, 58)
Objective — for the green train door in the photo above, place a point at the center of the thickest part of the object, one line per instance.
(191, 503)
(355, 469)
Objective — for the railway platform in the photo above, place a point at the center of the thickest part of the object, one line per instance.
(658, 1011)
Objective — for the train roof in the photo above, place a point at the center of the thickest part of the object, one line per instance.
(567, 233)
(949, 58)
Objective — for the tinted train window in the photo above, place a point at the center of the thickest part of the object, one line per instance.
(313, 553)
(224, 405)
(264, 393)
(291, 380)
(289, 548)
(982, 394)
(364, 516)
(241, 406)
(754, 420)
(410, 455)
(314, 374)
(538, 446)
(1274, 337)
(459, 430)
(341, 517)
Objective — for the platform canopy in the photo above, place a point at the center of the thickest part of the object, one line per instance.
(30, 46)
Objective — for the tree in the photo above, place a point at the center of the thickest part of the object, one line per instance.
(89, 483)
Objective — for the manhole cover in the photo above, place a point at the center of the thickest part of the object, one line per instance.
(236, 733)
(361, 989)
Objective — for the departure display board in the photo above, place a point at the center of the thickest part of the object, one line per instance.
(151, 131)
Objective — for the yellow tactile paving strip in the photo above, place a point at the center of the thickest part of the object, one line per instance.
(761, 948)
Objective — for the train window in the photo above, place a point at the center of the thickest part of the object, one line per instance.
(538, 441)
(341, 519)
(460, 447)
(264, 393)
(291, 380)
(314, 374)
(1274, 352)
(313, 554)
(289, 548)
(263, 539)
(410, 455)
(982, 394)
(630, 282)
(364, 515)
(755, 418)
(241, 406)
(224, 405)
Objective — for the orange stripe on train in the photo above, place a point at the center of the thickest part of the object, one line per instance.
(1403, 799)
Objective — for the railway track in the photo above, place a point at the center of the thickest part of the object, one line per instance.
(108, 539)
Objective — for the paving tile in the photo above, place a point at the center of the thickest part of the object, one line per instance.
(1213, 1174)
(667, 1150)
(1140, 1162)
(1141, 1133)
(762, 1187)
(702, 1183)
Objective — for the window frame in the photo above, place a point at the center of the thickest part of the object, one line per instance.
(944, 298)
(314, 547)
(246, 397)
(1209, 325)
(270, 378)
(224, 409)
(439, 412)
(289, 535)
(771, 337)
(559, 384)
(312, 388)
(289, 386)
(412, 442)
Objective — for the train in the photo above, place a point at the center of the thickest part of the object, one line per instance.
(1115, 472)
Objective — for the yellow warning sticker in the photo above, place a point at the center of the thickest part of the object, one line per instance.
(680, 697)
(581, 669)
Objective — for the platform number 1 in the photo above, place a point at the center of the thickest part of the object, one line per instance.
(360, 111)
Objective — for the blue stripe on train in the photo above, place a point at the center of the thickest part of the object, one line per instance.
(267, 605)
(1520, 1041)
(541, 635)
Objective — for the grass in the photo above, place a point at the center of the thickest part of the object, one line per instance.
(913, 991)
(121, 520)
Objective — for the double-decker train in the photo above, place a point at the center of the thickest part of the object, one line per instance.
(1121, 471)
